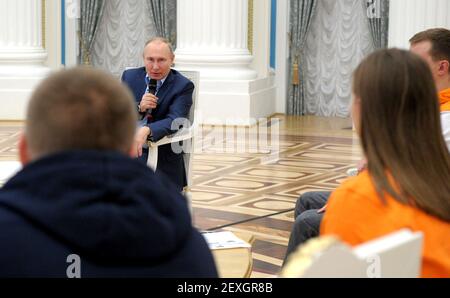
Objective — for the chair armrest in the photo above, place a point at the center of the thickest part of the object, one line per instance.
(182, 135)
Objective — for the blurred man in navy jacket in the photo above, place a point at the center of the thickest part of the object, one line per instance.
(81, 207)
(158, 108)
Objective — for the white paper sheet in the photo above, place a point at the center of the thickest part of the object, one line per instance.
(223, 240)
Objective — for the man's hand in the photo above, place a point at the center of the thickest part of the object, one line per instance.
(148, 101)
(322, 210)
(140, 139)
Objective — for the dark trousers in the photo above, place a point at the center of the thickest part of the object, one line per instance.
(307, 220)
(176, 184)
(143, 158)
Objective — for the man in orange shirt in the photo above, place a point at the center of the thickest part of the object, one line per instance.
(433, 46)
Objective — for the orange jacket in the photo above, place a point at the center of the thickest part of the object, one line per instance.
(444, 100)
(356, 214)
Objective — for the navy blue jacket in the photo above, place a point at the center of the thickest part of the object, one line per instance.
(174, 101)
(115, 213)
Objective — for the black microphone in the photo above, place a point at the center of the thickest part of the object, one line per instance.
(152, 86)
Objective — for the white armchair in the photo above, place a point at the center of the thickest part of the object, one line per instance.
(186, 134)
(396, 255)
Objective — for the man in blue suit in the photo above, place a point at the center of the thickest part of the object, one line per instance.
(172, 100)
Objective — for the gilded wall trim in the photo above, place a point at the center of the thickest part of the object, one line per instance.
(43, 23)
(250, 26)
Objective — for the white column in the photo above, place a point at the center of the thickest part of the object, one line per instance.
(22, 55)
(261, 37)
(53, 36)
(72, 21)
(407, 17)
(282, 54)
(212, 39)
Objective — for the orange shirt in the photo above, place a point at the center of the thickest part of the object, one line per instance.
(356, 214)
(444, 100)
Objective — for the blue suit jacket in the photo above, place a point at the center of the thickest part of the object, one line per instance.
(174, 101)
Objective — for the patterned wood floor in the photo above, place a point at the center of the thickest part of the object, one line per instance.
(242, 192)
(242, 184)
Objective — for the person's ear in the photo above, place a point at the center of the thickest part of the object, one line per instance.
(24, 154)
(444, 67)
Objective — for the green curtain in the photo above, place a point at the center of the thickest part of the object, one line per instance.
(164, 15)
(302, 12)
(91, 13)
(378, 15)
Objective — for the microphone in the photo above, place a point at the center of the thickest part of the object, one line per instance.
(152, 86)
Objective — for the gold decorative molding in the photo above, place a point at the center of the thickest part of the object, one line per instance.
(43, 23)
(250, 26)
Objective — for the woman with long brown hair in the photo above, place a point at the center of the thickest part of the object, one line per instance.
(407, 182)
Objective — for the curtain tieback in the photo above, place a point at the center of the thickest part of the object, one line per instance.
(295, 79)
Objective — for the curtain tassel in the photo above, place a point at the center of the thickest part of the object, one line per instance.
(295, 79)
(85, 54)
(86, 58)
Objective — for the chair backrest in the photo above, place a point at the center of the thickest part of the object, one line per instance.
(194, 76)
(396, 255)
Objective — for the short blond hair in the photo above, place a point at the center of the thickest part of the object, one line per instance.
(80, 108)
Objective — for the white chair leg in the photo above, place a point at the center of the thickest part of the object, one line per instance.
(152, 160)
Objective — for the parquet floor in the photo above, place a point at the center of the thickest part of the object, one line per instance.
(242, 192)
